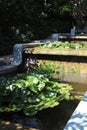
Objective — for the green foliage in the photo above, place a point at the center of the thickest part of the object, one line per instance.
(31, 93)
(65, 45)
(23, 21)
(67, 7)
(47, 69)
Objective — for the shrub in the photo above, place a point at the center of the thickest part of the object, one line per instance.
(31, 93)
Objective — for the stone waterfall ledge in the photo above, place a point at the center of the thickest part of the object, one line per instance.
(56, 51)
(18, 50)
(17, 57)
(78, 120)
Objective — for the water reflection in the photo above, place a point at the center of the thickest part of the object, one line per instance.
(48, 119)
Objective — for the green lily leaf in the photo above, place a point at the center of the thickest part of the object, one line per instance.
(32, 80)
(41, 86)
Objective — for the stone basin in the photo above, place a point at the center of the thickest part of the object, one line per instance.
(71, 59)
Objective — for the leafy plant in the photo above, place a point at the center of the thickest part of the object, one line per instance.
(31, 93)
(47, 69)
(65, 45)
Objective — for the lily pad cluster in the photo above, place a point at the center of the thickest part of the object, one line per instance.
(31, 93)
(65, 45)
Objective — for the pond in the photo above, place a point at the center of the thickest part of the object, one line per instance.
(47, 119)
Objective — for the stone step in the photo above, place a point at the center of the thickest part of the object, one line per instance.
(7, 68)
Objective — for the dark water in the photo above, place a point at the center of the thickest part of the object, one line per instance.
(56, 118)
(48, 119)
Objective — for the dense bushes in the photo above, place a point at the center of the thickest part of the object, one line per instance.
(23, 21)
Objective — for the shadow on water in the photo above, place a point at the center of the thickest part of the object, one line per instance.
(48, 119)
(56, 118)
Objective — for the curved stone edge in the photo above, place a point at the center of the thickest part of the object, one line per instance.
(18, 50)
(17, 57)
(78, 120)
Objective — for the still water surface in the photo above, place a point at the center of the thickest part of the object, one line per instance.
(48, 119)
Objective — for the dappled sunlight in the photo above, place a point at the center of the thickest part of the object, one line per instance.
(7, 125)
(78, 120)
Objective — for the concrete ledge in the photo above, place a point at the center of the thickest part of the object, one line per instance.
(56, 51)
(7, 68)
(78, 120)
(72, 77)
(17, 57)
(18, 50)
(71, 38)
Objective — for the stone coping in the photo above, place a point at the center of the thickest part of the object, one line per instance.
(17, 57)
(56, 51)
(32, 48)
(78, 120)
(71, 77)
(7, 68)
(73, 37)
